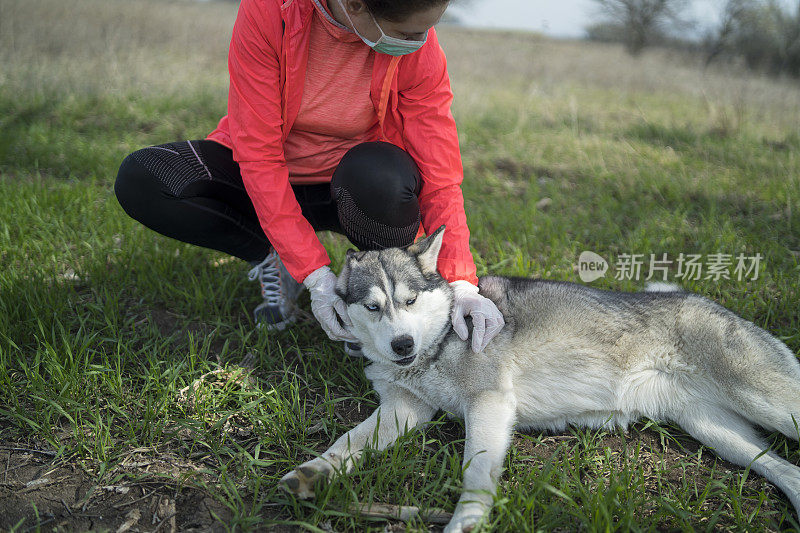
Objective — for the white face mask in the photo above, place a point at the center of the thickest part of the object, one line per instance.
(386, 44)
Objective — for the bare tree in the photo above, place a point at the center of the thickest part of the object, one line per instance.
(732, 13)
(765, 33)
(641, 20)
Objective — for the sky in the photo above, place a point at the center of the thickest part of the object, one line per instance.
(559, 18)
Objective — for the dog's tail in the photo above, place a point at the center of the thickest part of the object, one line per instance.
(661, 286)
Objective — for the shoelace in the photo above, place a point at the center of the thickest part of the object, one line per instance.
(269, 276)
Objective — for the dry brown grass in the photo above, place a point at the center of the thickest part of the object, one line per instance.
(114, 46)
(151, 46)
(575, 76)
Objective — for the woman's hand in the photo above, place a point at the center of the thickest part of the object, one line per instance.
(487, 320)
(326, 304)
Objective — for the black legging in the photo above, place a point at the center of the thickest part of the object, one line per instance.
(193, 191)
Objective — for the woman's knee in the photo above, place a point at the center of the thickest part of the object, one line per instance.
(137, 189)
(378, 171)
(376, 187)
(129, 174)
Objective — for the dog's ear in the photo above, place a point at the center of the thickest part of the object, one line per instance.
(354, 255)
(343, 279)
(427, 250)
(351, 257)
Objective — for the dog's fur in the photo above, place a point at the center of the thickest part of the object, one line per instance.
(568, 354)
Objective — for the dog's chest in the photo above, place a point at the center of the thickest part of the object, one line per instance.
(438, 389)
(445, 384)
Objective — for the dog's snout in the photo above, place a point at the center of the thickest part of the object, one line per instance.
(403, 345)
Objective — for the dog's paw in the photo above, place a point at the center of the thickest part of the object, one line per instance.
(463, 523)
(300, 481)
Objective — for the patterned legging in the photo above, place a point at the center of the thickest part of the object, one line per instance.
(193, 191)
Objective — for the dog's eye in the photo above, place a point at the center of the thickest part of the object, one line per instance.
(371, 307)
(411, 301)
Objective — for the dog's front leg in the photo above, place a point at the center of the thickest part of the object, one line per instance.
(399, 412)
(489, 420)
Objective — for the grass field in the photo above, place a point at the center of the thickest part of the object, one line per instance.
(105, 326)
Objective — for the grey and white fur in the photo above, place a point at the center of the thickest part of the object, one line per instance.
(568, 355)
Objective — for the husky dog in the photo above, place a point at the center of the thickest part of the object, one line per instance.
(568, 354)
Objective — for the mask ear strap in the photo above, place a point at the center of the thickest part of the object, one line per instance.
(383, 34)
(369, 43)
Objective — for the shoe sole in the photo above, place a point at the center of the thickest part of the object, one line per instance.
(277, 326)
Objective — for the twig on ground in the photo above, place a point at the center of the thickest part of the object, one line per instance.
(39, 525)
(131, 519)
(69, 511)
(403, 513)
(28, 450)
(16, 467)
(120, 506)
(171, 518)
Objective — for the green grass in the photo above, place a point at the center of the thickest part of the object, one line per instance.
(103, 322)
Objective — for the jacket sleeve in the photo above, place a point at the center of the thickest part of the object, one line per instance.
(430, 137)
(255, 121)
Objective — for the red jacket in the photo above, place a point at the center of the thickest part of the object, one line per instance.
(411, 94)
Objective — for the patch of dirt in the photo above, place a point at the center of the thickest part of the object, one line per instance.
(37, 489)
(352, 412)
(169, 323)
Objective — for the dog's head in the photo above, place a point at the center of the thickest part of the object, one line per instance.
(399, 304)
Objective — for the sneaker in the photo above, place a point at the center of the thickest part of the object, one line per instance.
(353, 350)
(280, 292)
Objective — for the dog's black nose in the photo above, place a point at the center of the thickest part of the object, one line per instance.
(403, 345)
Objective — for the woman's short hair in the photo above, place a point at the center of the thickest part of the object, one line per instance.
(399, 10)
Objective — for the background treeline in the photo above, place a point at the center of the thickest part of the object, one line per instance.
(764, 34)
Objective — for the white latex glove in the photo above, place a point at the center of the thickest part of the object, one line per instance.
(487, 320)
(326, 304)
